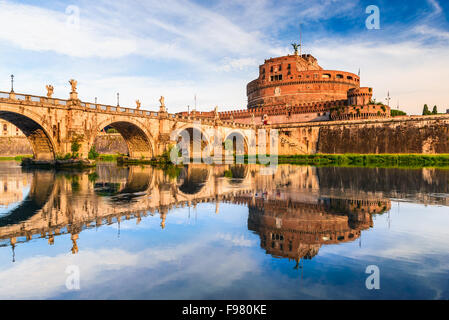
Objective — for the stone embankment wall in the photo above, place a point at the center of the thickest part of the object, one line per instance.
(426, 135)
(105, 144)
(110, 144)
(14, 146)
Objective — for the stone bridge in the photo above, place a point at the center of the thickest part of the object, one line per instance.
(53, 125)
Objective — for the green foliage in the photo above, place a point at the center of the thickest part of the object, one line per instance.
(426, 111)
(369, 160)
(16, 158)
(397, 113)
(228, 174)
(92, 177)
(93, 154)
(172, 172)
(435, 110)
(384, 109)
(67, 156)
(111, 130)
(76, 146)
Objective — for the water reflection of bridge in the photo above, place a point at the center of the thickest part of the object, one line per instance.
(295, 210)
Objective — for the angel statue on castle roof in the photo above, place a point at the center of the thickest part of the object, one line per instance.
(296, 47)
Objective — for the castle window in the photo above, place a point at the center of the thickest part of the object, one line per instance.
(271, 69)
(326, 76)
(5, 127)
(315, 76)
(289, 66)
(350, 78)
(263, 70)
(280, 67)
(339, 76)
(272, 78)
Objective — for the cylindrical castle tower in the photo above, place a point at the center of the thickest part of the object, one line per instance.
(298, 79)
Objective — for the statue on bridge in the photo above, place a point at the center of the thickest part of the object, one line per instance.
(50, 90)
(162, 102)
(216, 115)
(73, 83)
(138, 104)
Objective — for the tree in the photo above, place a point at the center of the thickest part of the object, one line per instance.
(426, 110)
(435, 110)
(397, 113)
(76, 146)
(93, 154)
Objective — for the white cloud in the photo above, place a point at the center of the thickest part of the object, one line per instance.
(436, 6)
(42, 277)
(218, 46)
(413, 73)
(431, 32)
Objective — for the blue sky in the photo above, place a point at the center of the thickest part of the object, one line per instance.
(179, 48)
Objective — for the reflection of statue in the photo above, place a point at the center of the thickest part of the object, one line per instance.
(73, 83)
(50, 90)
(74, 237)
(138, 104)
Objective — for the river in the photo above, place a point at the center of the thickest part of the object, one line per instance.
(224, 232)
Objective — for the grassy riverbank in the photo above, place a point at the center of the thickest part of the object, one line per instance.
(369, 160)
(343, 160)
(15, 158)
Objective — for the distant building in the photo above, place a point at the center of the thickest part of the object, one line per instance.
(447, 111)
(295, 88)
(7, 129)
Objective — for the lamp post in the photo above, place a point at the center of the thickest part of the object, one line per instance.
(12, 83)
(388, 98)
(118, 99)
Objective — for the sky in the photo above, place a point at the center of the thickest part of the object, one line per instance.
(212, 49)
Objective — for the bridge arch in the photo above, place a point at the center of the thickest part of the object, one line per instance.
(196, 134)
(239, 142)
(138, 139)
(192, 180)
(34, 129)
(41, 190)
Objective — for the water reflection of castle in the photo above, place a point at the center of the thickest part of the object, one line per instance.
(296, 230)
(295, 210)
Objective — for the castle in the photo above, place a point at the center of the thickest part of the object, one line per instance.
(295, 88)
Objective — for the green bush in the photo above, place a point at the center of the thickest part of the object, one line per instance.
(397, 113)
(93, 154)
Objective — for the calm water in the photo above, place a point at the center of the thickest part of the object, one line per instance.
(223, 233)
